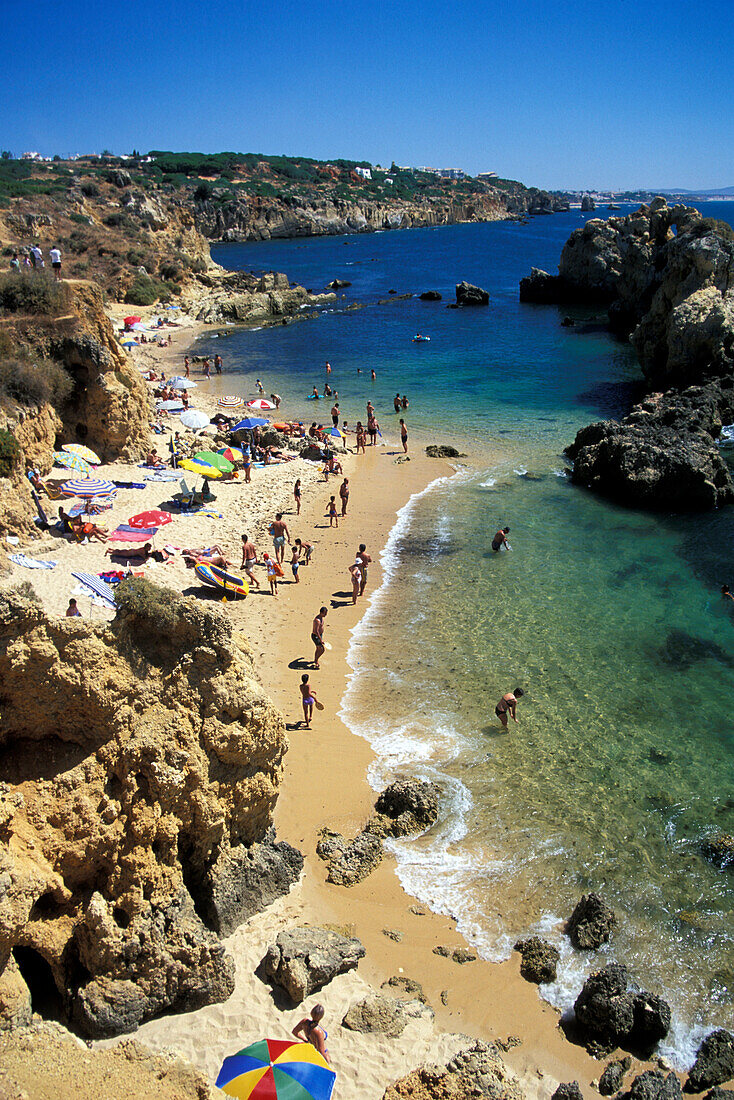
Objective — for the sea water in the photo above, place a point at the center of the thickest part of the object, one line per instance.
(610, 619)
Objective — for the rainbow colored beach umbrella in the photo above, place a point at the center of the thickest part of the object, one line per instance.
(84, 453)
(72, 462)
(230, 402)
(276, 1069)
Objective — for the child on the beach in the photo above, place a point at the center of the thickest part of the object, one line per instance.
(305, 548)
(272, 574)
(295, 555)
(332, 513)
(308, 698)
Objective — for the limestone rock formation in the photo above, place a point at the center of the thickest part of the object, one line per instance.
(142, 766)
(468, 295)
(303, 960)
(45, 1060)
(377, 1015)
(539, 960)
(405, 807)
(476, 1071)
(610, 1013)
(714, 1062)
(591, 923)
(443, 450)
(587, 204)
(219, 296)
(663, 455)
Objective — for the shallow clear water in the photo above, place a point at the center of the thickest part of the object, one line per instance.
(610, 619)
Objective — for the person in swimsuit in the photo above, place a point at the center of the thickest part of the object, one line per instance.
(295, 555)
(297, 495)
(335, 414)
(305, 548)
(332, 513)
(372, 429)
(309, 1029)
(272, 574)
(249, 560)
(508, 705)
(279, 531)
(355, 573)
(308, 698)
(361, 437)
(396, 402)
(364, 560)
(500, 539)
(344, 494)
(317, 635)
(404, 435)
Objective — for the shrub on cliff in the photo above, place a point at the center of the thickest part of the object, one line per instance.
(146, 291)
(31, 292)
(159, 621)
(9, 453)
(34, 383)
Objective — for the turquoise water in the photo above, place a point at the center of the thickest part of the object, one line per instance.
(610, 619)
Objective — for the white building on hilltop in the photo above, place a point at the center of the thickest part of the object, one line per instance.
(365, 173)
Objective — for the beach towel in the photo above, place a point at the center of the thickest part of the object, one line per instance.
(97, 586)
(125, 533)
(31, 563)
(130, 484)
(162, 475)
(203, 512)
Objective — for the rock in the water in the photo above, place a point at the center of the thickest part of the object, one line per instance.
(569, 1090)
(408, 806)
(608, 1012)
(719, 850)
(587, 204)
(653, 1085)
(443, 450)
(591, 923)
(468, 295)
(539, 960)
(338, 284)
(245, 880)
(377, 1015)
(358, 859)
(430, 296)
(542, 288)
(612, 1079)
(303, 960)
(714, 1062)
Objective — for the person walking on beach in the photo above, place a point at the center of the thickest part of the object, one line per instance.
(317, 636)
(332, 514)
(310, 1031)
(297, 495)
(207, 369)
(308, 698)
(249, 560)
(270, 565)
(508, 705)
(372, 428)
(404, 435)
(335, 414)
(500, 539)
(295, 562)
(344, 494)
(279, 531)
(361, 437)
(355, 572)
(364, 560)
(55, 257)
(187, 368)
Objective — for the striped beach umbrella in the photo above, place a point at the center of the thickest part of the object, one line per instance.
(277, 1069)
(89, 487)
(230, 402)
(232, 454)
(84, 453)
(72, 462)
(260, 403)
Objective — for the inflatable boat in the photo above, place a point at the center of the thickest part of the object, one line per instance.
(220, 578)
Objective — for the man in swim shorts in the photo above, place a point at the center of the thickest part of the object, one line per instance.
(317, 635)
(364, 560)
(344, 494)
(500, 539)
(279, 531)
(335, 414)
(508, 705)
(404, 435)
(249, 559)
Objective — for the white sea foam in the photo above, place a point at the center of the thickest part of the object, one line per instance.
(488, 484)
(727, 433)
(520, 470)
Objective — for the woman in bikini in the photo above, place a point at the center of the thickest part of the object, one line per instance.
(309, 1029)
(308, 698)
(297, 495)
(508, 705)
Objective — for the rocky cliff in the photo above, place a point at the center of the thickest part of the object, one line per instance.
(246, 218)
(141, 763)
(666, 276)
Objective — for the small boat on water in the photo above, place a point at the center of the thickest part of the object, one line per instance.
(418, 339)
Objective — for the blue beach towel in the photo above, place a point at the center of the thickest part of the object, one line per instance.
(31, 563)
(97, 586)
(129, 484)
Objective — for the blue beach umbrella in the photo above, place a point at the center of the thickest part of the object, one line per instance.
(249, 423)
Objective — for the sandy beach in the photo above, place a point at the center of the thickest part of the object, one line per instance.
(325, 775)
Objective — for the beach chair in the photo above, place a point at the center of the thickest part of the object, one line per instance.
(187, 497)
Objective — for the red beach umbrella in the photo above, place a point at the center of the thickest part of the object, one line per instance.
(153, 518)
(130, 320)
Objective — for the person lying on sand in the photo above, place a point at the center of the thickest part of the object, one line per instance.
(212, 555)
(134, 555)
(309, 1030)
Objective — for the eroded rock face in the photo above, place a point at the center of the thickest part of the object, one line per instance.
(591, 923)
(612, 1078)
(714, 1062)
(653, 1085)
(303, 960)
(612, 1014)
(477, 1071)
(143, 765)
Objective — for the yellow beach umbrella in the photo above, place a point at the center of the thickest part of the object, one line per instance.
(84, 453)
(202, 468)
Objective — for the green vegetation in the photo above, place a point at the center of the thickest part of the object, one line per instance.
(146, 291)
(34, 383)
(158, 618)
(9, 453)
(31, 292)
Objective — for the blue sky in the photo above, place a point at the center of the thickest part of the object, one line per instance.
(555, 93)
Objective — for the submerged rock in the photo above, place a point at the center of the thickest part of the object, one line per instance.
(338, 284)
(714, 1062)
(443, 450)
(719, 850)
(539, 960)
(303, 960)
(591, 923)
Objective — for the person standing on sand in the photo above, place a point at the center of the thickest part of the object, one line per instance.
(295, 556)
(500, 539)
(361, 437)
(335, 414)
(404, 435)
(344, 494)
(218, 364)
(355, 572)
(207, 369)
(272, 574)
(317, 636)
(333, 517)
(372, 428)
(310, 1031)
(508, 705)
(308, 698)
(249, 560)
(187, 368)
(297, 495)
(364, 560)
(279, 531)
